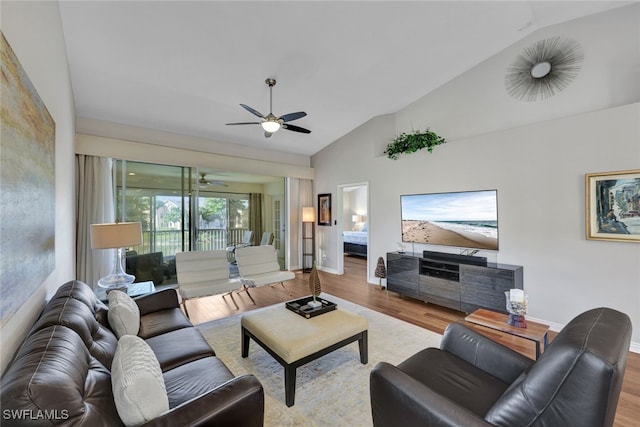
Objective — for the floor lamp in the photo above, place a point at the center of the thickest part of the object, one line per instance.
(308, 238)
(116, 236)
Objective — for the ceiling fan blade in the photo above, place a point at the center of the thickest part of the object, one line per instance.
(268, 134)
(295, 128)
(244, 123)
(292, 116)
(252, 111)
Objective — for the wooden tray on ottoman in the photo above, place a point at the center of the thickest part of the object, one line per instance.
(300, 307)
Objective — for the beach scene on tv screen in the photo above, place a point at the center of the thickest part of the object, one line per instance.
(463, 219)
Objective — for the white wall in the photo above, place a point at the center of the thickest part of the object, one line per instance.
(33, 29)
(335, 165)
(476, 102)
(534, 154)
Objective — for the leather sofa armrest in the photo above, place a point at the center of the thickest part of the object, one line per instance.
(238, 402)
(399, 400)
(484, 353)
(161, 300)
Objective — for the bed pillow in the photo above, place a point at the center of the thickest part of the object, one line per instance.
(124, 314)
(138, 387)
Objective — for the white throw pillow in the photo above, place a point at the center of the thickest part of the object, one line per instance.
(124, 314)
(136, 379)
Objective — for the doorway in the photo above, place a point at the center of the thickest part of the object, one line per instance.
(353, 224)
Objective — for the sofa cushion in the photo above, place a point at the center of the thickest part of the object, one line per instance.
(138, 387)
(162, 321)
(76, 315)
(53, 373)
(195, 378)
(178, 347)
(455, 379)
(84, 293)
(254, 260)
(79, 291)
(124, 315)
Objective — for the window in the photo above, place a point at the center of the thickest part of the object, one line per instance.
(163, 198)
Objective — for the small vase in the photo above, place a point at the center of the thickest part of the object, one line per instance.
(516, 310)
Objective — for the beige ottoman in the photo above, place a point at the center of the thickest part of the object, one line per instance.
(294, 341)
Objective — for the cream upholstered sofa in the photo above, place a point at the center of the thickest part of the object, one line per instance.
(258, 266)
(204, 273)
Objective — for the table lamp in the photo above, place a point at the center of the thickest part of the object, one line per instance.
(116, 236)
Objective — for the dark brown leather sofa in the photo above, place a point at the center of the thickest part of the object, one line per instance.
(61, 373)
(473, 381)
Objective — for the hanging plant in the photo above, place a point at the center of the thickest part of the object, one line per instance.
(412, 142)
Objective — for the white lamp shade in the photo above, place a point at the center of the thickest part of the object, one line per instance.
(354, 218)
(308, 214)
(116, 235)
(270, 125)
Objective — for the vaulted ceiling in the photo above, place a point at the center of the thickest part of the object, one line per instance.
(185, 66)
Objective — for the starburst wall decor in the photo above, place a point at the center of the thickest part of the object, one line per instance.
(544, 69)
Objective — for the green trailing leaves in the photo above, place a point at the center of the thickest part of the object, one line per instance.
(412, 142)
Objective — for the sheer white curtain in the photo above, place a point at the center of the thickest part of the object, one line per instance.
(94, 187)
(305, 193)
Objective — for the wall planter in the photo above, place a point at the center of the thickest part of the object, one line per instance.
(412, 142)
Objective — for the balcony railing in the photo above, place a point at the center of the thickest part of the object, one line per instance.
(170, 241)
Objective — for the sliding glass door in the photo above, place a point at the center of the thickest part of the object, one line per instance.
(158, 197)
(181, 210)
(222, 219)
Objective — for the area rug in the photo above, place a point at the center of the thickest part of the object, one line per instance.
(332, 390)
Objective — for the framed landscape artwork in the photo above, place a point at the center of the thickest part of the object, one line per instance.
(324, 209)
(613, 206)
(27, 187)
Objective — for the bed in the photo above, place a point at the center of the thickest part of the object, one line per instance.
(355, 243)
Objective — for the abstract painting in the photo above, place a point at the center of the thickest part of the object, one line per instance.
(613, 206)
(27, 187)
(324, 209)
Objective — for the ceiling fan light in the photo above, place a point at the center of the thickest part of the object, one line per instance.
(270, 126)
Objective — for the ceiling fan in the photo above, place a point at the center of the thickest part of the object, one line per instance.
(204, 182)
(270, 123)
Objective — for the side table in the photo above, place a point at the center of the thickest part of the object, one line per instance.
(536, 332)
(134, 290)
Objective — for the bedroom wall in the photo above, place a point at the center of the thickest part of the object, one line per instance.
(33, 29)
(354, 203)
(534, 154)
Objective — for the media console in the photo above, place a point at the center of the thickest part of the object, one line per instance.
(461, 282)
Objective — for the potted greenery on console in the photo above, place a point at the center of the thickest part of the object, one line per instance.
(412, 142)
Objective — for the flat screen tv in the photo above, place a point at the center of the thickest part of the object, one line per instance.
(466, 219)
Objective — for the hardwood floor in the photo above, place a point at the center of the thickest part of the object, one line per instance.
(352, 286)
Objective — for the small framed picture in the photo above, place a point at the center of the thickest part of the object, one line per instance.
(324, 209)
(613, 206)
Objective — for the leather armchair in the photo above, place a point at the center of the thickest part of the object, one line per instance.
(146, 267)
(473, 381)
